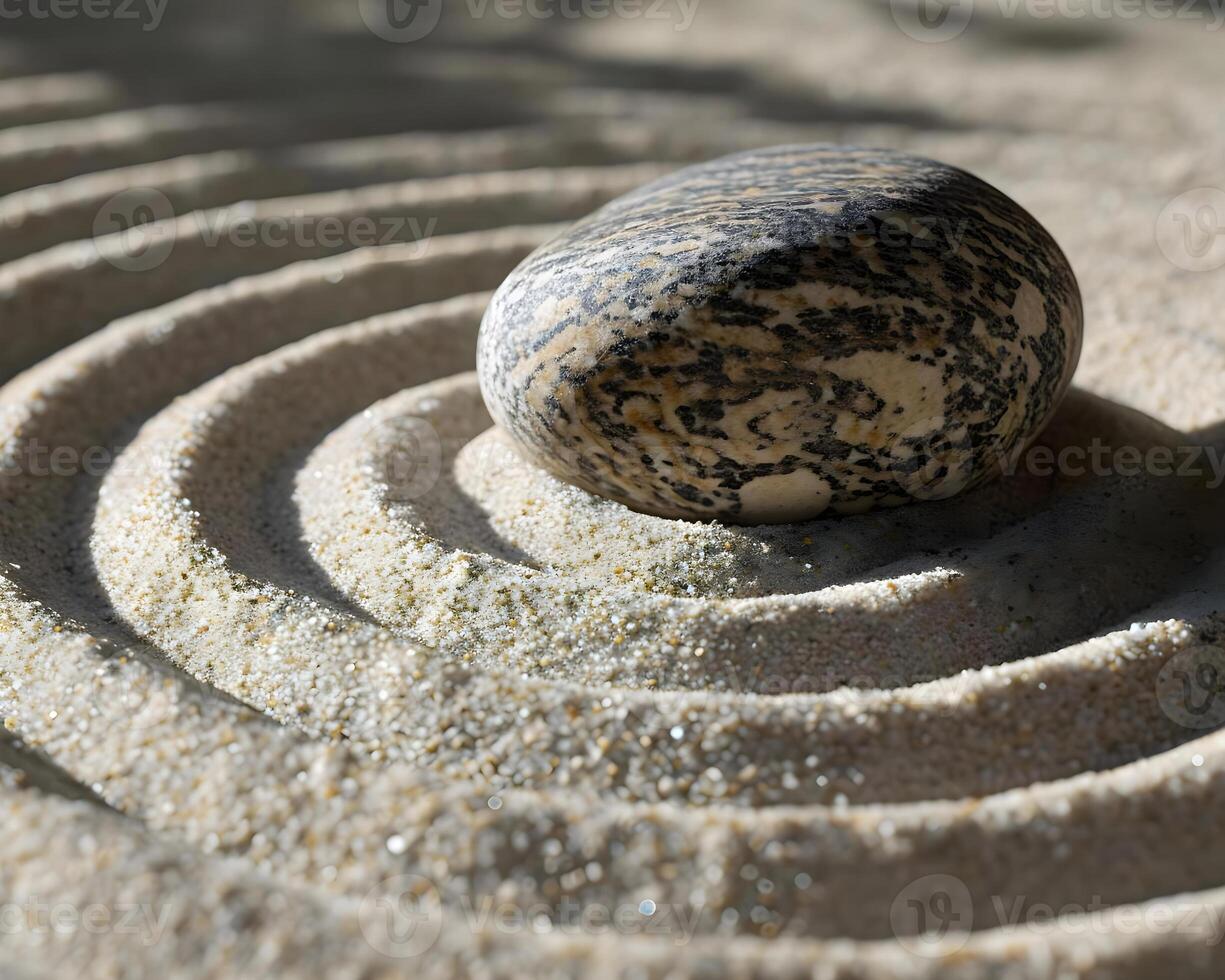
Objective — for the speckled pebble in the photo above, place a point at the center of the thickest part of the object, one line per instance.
(772, 334)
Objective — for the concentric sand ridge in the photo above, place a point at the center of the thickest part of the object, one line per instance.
(286, 621)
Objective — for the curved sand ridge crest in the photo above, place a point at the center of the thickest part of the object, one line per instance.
(317, 633)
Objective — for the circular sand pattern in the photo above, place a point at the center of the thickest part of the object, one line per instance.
(303, 663)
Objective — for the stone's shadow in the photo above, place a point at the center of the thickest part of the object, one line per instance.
(1068, 547)
(1034, 483)
(1095, 546)
(1201, 593)
(1026, 566)
(1062, 547)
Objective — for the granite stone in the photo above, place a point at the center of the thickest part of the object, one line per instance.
(772, 334)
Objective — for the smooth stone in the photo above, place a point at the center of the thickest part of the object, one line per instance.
(769, 335)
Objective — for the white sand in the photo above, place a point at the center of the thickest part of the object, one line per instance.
(250, 677)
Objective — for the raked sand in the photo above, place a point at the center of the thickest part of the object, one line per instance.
(296, 653)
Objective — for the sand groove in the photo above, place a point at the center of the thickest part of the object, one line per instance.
(308, 624)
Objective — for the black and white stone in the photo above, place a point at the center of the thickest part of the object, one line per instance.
(768, 335)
